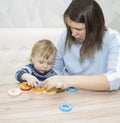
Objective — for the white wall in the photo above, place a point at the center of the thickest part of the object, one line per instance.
(48, 13)
(111, 9)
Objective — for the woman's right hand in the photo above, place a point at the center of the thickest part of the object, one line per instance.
(57, 82)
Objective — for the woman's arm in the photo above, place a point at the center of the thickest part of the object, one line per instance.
(89, 82)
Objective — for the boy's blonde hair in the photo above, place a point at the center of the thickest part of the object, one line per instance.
(44, 48)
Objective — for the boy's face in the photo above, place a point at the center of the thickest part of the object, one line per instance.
(41, 64)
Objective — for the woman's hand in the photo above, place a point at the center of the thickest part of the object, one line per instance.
(30, 79)
(56, 81)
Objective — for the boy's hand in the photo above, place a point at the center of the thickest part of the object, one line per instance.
(30, 79)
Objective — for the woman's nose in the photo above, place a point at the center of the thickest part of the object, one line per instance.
(74, 33)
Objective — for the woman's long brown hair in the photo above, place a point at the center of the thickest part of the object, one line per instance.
(89, 13)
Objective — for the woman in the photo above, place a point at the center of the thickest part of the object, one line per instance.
(88, 53)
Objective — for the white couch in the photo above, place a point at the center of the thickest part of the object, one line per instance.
(15, 48)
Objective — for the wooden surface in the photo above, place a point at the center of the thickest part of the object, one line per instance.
(88, 107)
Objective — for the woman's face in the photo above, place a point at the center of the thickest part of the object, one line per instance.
(78, 30)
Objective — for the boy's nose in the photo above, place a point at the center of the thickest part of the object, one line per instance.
(45, 65)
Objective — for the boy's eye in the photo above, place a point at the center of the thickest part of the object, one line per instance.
(49, 63)
(41, 62)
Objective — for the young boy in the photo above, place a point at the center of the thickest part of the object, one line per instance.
(41, 58)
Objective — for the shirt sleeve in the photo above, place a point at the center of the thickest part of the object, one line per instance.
(19, 73)
(59, 65)
(113, 64)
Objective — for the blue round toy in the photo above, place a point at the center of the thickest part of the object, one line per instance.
(72, 89)
(65, 107)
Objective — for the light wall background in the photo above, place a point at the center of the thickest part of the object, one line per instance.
(49, 13)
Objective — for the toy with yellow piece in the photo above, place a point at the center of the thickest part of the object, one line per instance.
(39, 89)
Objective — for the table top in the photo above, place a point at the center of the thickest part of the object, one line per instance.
(87, 107)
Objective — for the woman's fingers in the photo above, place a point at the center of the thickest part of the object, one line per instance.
(49, 83)
(60, 85)
(53, 82)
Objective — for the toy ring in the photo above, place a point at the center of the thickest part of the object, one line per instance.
(14, 92)
(65, 107)
(25, 87)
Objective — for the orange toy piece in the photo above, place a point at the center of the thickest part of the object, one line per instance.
(41, 89)
(38, 90)
(24, 86)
